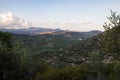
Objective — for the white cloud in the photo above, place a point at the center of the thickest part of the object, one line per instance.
(7, 20)
(74, 26)
(85, 22)
(81, 26)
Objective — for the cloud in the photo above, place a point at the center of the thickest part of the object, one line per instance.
(85, 22)
(7, 20)
(74, 26)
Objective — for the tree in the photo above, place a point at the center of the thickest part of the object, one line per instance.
(14, 59)
(5, 39)
(114, 20)
(9, 64)
(110, 39)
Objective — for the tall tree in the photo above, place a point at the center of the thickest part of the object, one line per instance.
(110, 40)
(14, 60)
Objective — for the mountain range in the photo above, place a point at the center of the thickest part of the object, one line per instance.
(54, 32)
(30, 30)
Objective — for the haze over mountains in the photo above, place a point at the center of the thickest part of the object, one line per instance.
(31, 30)
(41, 31)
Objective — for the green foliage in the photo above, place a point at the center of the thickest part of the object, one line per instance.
(9, 64)
(5, 39)
(13, 60)
(67, 73)
(115, 71)
(95, 61)
(110, 40)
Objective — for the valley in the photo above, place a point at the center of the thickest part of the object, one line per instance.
(59, 40)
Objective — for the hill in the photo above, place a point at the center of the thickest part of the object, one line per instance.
(46, 42)
(56, 47)
(52, 40)
(30, 30)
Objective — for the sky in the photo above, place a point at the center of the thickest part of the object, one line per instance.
(76, 15)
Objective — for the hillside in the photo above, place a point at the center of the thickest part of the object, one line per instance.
(39, 43)
(79, 52)
(57, 40)
(74, 54)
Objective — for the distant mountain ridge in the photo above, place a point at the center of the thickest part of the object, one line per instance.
(30, 31)
(55, 32)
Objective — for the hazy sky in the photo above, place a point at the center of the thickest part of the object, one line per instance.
(80, 15)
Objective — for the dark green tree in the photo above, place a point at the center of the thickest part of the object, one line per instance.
(110, 39)
(5, 39)
(14, 60)
(9, 64)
